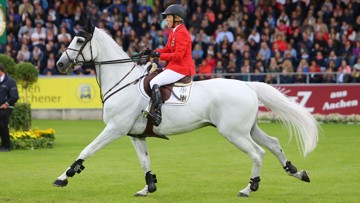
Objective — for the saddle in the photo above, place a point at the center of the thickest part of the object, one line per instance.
(165, 90)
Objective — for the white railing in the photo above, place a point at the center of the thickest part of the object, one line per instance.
(277, 77)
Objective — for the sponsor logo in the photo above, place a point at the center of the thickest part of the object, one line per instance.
(85, 93)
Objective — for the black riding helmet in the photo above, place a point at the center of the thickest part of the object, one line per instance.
(175, 9)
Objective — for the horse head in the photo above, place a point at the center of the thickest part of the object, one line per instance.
(79, 50)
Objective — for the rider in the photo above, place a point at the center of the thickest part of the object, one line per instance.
(177, 52)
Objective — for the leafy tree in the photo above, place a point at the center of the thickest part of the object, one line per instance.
(8, 63)
(26, 75)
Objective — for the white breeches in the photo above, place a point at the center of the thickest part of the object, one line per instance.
(166, 77)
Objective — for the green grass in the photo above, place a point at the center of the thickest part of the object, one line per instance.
(200, 166)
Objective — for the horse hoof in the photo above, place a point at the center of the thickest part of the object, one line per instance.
(140, 195)
(304, 176)
(241, 194)
(60, 183)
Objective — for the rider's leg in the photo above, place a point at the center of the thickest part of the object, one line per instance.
(163, 78)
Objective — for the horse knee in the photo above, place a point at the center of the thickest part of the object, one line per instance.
(258, 157)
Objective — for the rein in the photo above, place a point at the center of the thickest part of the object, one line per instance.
(105, 96)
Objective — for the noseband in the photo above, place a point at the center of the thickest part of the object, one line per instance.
(87, 36)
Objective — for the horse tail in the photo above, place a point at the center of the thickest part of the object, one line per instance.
(292, 115)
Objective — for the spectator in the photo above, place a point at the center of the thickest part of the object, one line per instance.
(198, 50)
(66, 10)
(205, 70)
(39, 35)
(300, 76)
(24, 54)
(245, 69)
(27, 28)
(279, 43)
(304, 65)
(329, 77)
(50, 69)
(315, 73)
(219, 70)
(80, 16)
(26, 10)
(355, 75)
(64, 37)
(285, 77)
(254, 35)
(223, 32)
(257, 76)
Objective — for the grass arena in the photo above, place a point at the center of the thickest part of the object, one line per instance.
(199, 166)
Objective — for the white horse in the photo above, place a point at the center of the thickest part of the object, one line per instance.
(229, 105)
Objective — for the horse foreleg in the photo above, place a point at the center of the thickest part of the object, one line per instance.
(272, 144)
(144, 158)
(108, 135)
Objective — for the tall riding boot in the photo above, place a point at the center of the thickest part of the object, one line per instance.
(157, 100)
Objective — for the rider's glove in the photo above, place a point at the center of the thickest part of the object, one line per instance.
(146, 52)
(155, 54)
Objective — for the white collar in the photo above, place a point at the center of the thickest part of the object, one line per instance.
(176, 27)
(2, 78)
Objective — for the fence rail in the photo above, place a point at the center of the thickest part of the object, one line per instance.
(279, 78)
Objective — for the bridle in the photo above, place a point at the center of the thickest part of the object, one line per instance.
(87, 36)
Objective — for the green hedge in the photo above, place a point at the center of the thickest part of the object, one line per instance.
(20, 119)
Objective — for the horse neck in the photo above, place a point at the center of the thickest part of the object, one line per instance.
(110, 74)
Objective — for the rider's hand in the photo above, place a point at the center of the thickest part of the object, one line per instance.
(146, 52)
(155, 54)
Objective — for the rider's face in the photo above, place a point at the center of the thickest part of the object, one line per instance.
(169, 20)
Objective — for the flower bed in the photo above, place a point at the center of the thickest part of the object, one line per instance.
(33, 139)
(331, 118)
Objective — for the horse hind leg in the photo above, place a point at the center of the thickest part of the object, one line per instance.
(245, 143)
(144, 158)
(272, 144)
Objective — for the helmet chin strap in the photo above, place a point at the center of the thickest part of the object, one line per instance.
(174, 21)
(173, 24)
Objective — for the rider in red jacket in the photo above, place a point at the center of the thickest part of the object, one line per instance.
(177, 52)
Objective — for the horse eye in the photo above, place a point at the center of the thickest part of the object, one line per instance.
(80, 40)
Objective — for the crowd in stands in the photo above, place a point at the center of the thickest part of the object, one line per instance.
(261, 37)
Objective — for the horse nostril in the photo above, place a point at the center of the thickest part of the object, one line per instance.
(60, 64)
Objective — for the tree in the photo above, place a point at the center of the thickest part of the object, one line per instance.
(8, 63)
(26, 75)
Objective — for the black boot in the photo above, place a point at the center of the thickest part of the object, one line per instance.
(157, 100)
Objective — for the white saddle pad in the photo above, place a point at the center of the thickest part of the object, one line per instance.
(182, 93)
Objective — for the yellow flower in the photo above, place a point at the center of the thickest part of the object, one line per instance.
(33, 134)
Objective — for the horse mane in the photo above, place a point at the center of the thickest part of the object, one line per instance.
(111, 41)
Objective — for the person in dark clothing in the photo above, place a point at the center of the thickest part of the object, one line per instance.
(8, 97)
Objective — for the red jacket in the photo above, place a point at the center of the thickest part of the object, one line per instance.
(177, 52)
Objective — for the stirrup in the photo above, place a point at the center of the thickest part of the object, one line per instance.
(155, 118)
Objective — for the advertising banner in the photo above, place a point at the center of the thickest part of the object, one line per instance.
(84, 93)
(63, 93)
(324, 99)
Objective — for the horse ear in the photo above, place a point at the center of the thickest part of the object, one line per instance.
(89, 27)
